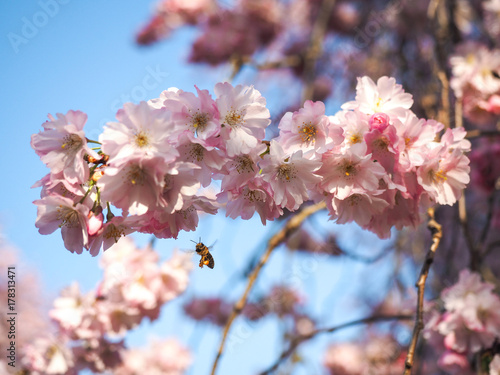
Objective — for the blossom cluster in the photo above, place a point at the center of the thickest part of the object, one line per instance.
(90, 326)
(374, 163)
(161, 357)
(281, 301)
(245, 27)
(382, 355)
(469, 322)
(476, 81)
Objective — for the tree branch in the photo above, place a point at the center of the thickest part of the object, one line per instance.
(292, 225)
(295, 342)
(437, 234)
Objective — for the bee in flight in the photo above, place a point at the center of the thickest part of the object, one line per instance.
(206, 258)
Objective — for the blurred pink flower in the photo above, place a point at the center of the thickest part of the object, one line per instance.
(62, 145)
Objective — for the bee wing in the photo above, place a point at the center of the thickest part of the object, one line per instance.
(212, 245)
(188, 251)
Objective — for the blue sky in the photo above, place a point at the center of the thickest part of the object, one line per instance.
(82, 56)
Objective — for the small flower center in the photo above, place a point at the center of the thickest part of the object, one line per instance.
(381, 144)
(254, 196)
(378, 104)
(72, 142)
(68, 217)
(112, 231)
(199, 121)
(348, 169)
(244, 164)
(355, 138)
(308, 132)
(141, 139)
(354, 200)
(187, 212)
(440, 176)
(196, 152)
(437, 177)
(136, 175)
(234, 118)
(286, 172)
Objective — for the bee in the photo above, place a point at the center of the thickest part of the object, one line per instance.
(206, 258)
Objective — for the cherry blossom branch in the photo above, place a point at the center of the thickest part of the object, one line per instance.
(437, 234)
(298, 340)
(316, 46)
(291, 226)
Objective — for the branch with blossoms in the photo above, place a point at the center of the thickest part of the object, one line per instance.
(374, 163)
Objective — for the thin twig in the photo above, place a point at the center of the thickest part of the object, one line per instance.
(316, 47)
(295, 342)
(292, 225)
(437, 234)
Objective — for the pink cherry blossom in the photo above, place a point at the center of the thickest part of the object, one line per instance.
(195, 116)
(475, 65)
(416, 135)
(309, 130)
(471, 321)
(355, 125)
(75, 314)
(59, 212)
(244, 117)
(209, 159)
(384, 147)
(495, 365)
(342, 173)
(109, 234)
(161, 357)
(62, 146)
(242, 168)
(98, 355)
(469, 283)
(180, 183)
(57, 184)
(386, 96)
(213, 310)
(344, 359)
(455, 363)
(142, 133)
(379, 121)
(444, 175)
(358, 206)
(48, 355)
(290, 176)
(135, 186)
(255, 196)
